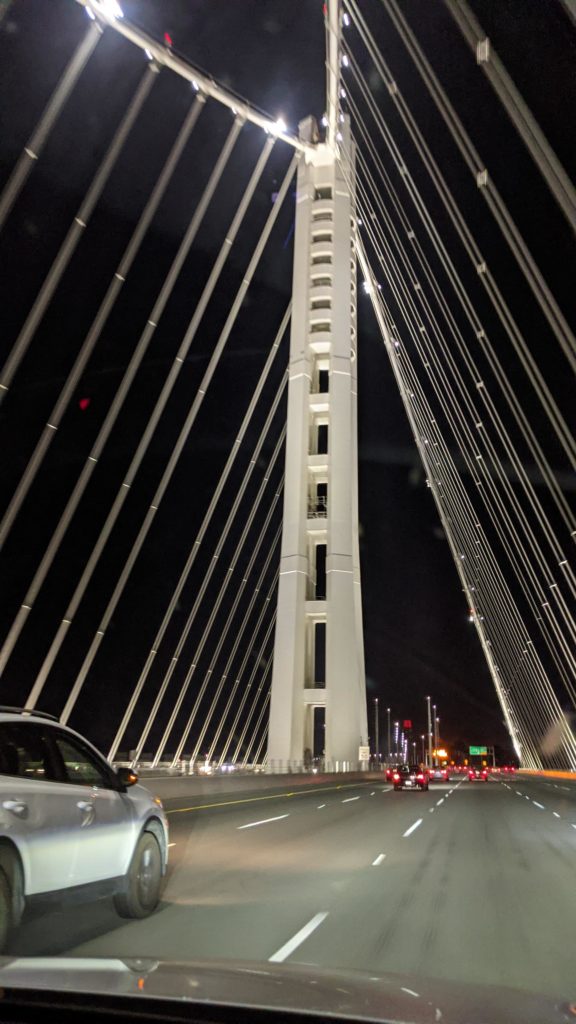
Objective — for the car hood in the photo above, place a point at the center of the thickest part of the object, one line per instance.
(346, 994)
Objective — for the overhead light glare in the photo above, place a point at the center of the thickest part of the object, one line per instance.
(111, 8)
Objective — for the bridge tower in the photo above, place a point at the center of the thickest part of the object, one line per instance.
(318, 648)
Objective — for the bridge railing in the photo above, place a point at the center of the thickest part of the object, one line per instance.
(214, 769)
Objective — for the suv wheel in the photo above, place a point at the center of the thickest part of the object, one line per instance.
(5, 910)
(143, 881)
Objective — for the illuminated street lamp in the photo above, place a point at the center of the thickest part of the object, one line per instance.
(423, 740)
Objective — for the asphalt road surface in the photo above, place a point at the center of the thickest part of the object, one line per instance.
(472, 882)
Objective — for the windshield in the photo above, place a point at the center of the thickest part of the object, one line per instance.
(287, 460)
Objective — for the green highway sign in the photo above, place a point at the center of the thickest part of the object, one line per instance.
(477, 750)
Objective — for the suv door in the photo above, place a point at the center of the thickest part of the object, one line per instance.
(33, 811)
(107, 819)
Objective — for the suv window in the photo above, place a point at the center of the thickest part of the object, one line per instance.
(81, 767)
(24, 752)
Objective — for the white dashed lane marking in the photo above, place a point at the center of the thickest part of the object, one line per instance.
(412, 828)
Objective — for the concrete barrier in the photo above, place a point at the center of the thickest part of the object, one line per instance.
(549, 773)
(199, 788)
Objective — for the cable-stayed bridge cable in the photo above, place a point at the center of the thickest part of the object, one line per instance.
(35, 144)
(98, 324)
(517, 109)
(184, 576)
(75, 231)
(192, 413)
(223, 589)
(103, 436)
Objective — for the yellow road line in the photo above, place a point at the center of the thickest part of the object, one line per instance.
(269, 796)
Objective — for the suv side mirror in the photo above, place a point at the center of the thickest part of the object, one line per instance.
(126, 776)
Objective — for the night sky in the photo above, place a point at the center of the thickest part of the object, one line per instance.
(417, 636)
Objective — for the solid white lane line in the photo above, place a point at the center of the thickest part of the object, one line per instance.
(379, 859)
(349, 799)
(298, 939)
(412, 828)
(263, 822)
(438, 802)
(320, 806)
(410, 992)
(555, 813)
(536, 804)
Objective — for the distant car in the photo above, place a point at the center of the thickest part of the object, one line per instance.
(389, 774)
(478, 774)
(70, 824)
(410, 776)
(438, 774)
(508, 768)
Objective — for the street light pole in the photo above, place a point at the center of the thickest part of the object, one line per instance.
(423, 738)
(376, 729)
(434, 731)
(429, 732)
(389, 748)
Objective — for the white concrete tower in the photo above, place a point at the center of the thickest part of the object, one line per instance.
(318, 652)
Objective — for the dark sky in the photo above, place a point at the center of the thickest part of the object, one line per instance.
(417, 636)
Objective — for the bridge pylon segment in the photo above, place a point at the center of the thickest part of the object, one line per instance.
(318, 679)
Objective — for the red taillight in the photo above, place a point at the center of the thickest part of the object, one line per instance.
(396, 777)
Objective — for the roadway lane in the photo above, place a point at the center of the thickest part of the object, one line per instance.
(470, 882)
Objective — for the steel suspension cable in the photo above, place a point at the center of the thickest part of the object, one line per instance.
(480, 334)
(507, 320)
(103, 436)
(403, 390)
(35, 144)
(248, 687)
(260, 687)
(223, 589)
(211, 568)
(258, 751)
(207, 718)
(75, 231)
(387, 261)
(560, 639)
(196, 404)
(134, 467)
(463, 349)
(474, 161)
(545, 158)
(184, 576)
(252, 739)
(99, 322)
(247, 654)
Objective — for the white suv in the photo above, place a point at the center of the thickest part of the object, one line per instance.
(71, 826)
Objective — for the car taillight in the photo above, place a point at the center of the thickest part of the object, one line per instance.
(396, 777)
(420, 778)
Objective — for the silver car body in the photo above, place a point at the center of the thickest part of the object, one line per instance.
(72, 834)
